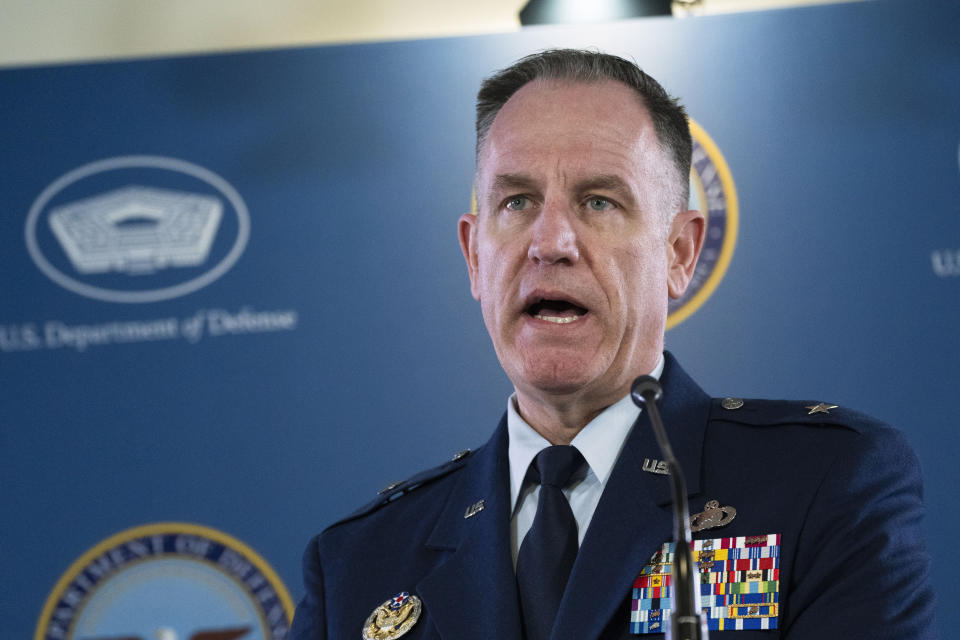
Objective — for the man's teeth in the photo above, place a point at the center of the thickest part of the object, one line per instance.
(558, 319)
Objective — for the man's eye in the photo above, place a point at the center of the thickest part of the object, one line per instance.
(517, 203)
(599, 204)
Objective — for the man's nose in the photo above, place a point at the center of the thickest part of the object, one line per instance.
(554, 238)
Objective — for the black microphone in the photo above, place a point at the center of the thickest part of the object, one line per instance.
(686, 619)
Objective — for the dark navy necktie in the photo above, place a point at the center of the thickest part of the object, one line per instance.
(547, 552)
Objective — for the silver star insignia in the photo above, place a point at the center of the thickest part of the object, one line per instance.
(820, 408)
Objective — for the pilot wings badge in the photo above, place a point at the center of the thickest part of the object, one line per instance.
(393, 618)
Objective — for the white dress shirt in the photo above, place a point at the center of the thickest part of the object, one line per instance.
(600, 443)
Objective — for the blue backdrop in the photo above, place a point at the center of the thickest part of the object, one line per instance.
(324, 343)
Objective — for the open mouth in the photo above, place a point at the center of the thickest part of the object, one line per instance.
(556, 311)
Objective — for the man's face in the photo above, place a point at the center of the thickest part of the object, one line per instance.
(573, 252)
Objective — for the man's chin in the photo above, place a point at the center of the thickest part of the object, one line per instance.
(556, 378)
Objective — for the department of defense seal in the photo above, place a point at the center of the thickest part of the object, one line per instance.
(393, 618)
(167, 581)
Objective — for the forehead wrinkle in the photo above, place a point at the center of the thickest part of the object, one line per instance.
(560, 173)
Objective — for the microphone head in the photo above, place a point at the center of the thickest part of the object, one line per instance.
(645, 389)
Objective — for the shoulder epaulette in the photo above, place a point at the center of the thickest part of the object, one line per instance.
(781, 412)
(396, 490)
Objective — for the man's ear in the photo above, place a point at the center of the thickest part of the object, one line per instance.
(467, 228)
(683, 248)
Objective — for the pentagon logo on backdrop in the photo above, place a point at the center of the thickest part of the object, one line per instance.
(137, 229)
(712, 193)
(168, 581)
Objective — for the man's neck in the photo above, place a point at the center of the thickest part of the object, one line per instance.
(560, 420)
(560, 417)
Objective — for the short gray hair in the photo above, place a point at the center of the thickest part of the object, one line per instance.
(668, 115)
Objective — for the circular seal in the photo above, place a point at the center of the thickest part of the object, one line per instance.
(712, 193)
(393, 618)
(137, 229)
(168, 581)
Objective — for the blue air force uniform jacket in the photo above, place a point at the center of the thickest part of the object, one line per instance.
(843, 492)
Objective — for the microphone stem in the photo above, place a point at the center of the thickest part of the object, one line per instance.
(685, 620)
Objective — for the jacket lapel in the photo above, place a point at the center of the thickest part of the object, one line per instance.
(473, 595)
(634, 516)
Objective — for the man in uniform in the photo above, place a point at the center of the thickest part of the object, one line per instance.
(808, 522)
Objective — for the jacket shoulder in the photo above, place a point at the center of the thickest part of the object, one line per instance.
(814, 413)
(397, 490)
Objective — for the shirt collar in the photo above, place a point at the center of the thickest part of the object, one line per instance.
(599, 442)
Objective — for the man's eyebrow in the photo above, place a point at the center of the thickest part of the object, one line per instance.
(605, 182)
(602, 182)
(510, 181)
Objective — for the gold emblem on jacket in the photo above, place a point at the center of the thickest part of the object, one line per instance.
(393, 618)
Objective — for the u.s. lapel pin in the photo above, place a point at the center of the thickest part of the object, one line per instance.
(474, 509)
(713, 516)
(393, 618)
(656, 466)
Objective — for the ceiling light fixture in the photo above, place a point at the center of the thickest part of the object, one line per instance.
(580, 11)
